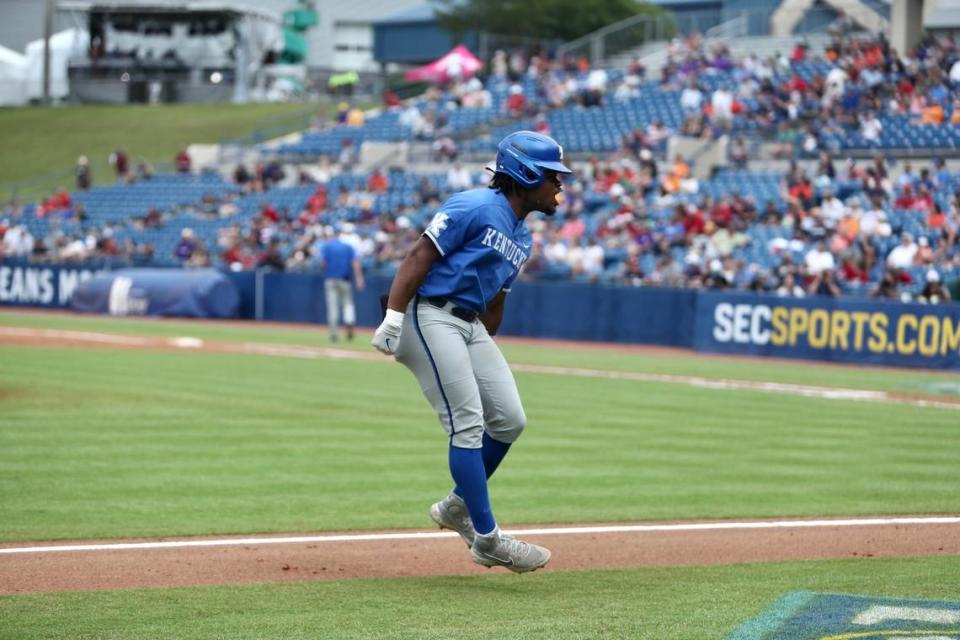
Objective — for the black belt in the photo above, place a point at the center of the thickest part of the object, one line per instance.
(465, 314)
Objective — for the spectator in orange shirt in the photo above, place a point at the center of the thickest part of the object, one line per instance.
(355, 117)
(680, 168)
(932, 114)
(670, 183)
(936, 218)
(802, 190)
(377, 182)
(849, 228)
(955, 116)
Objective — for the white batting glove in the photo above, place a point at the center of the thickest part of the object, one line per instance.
(387, 337)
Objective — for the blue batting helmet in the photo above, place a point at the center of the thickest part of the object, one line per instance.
(524, 155)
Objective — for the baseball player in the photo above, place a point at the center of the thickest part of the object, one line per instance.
(445, 303)
(339, 261)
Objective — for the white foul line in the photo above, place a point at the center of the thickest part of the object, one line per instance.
(551, 531)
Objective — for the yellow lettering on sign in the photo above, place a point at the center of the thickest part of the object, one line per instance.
(907, 344)
(859, 320)
(778, 321)
(928, 335)
(799, 321)
(949, 337)
(877, 343)
(839, 327)
(819, 328)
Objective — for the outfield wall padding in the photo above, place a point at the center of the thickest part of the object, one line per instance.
(849, 330)
(203, 293)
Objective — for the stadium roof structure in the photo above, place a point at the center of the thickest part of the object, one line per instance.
(946, 15)
(167, 6)
(419, 13)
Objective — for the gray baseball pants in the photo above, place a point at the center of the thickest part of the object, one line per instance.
(463, 374)
(339, 294)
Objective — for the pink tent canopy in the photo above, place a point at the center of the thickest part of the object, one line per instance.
(458, 64)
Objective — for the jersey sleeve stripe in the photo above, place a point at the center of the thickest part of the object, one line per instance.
(435, 242)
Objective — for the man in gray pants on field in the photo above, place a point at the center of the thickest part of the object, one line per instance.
(339, 261)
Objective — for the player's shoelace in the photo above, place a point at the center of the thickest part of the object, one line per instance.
(516, 548)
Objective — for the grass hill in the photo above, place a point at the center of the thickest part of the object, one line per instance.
(42, 144)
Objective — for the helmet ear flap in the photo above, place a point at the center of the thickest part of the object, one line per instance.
(532, 176)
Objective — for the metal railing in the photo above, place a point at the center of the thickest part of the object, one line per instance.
(620, 36)
(633, 33)
(488, 43)
(734, 28)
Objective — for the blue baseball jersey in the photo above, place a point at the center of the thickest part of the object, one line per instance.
(482, 245)
(338, 257)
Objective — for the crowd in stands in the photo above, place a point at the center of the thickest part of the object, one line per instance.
(829, 230)
(827, 226)
(802, 98)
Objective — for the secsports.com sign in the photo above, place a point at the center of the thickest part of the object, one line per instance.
(829, 329)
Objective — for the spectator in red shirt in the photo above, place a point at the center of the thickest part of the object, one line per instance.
(722, 213)
(923, 201)
(121, 163)
(906, 199)
(318, 201)
(182, 161)
(799, 53)
(58, 200)
(391, 99)
(516, 102)
(852, 270)
(798, 84)
(692, 220)
(268, 212)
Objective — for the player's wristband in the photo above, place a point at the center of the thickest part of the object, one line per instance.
(392, 321)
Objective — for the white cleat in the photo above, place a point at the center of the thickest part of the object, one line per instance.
(497, 549)
(451, 513)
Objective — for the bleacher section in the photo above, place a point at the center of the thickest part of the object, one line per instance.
(181, 197)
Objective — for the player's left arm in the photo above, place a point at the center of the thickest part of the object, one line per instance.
(493, 316)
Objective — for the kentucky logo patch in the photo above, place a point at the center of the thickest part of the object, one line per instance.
(438, 224)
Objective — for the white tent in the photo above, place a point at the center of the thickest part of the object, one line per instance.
(63, 46)
(13, 71)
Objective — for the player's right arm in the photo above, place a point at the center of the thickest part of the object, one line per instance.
(410, 275)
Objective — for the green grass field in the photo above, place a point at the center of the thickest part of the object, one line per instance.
(675, 603)
(99, 443)
(43, 141)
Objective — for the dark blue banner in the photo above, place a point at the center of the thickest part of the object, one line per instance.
(607, 314)
(24, 284)
(200, 293)
(833, 329)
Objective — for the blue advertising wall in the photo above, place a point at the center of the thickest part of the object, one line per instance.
(833, 329)
(607, 314)
(23, 284)
(850, 330)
